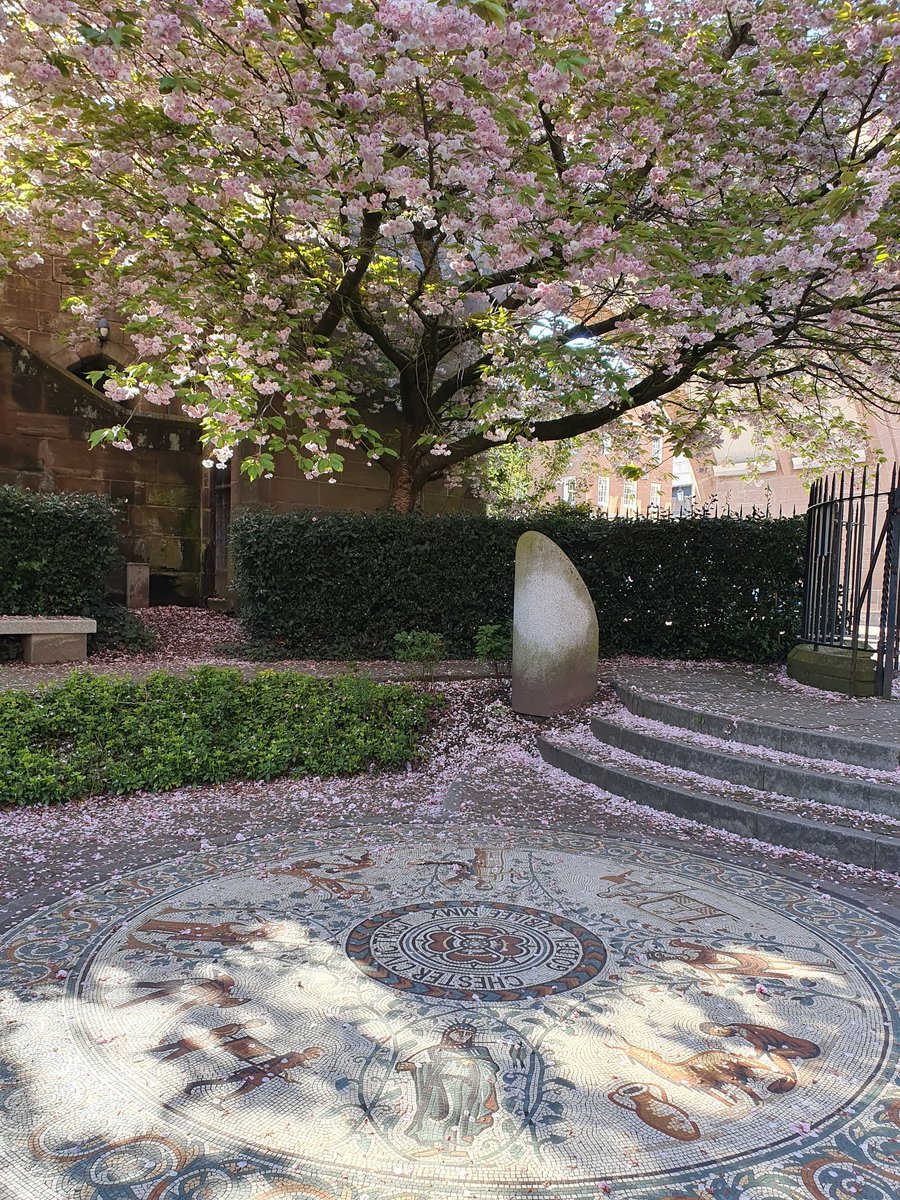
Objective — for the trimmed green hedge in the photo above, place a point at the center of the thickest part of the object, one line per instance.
(56, 550)
(341, 585)
(97, 733)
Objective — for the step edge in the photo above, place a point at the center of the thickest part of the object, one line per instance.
(857, 838)
(887, 752)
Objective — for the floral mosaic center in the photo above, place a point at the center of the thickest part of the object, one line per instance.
(410, 1016)
(476, 950)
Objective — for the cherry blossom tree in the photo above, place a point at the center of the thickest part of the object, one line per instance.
(425, 228)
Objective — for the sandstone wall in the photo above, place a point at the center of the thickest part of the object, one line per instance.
(46, 416)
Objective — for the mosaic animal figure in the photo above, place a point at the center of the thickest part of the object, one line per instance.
(216, 993)
(651, 1104)
(774, 1048)
(721, 1074)
(323, 879)
(717, 964)
(249, 1079)
(226, 934)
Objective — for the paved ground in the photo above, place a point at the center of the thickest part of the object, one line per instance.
(517, 986)
(760, 694)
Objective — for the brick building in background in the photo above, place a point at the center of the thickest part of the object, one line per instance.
(175, 514)
(669, 486)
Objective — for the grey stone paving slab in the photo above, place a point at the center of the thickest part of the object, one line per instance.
(754, 704)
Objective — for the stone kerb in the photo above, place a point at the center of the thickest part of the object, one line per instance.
(555, 632)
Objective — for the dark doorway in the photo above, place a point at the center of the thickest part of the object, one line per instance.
(92, 362)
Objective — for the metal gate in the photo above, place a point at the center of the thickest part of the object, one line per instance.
(852, 576)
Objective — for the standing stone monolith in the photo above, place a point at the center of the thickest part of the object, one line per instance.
(555, 634)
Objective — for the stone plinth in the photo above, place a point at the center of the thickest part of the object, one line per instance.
(555, 634)
(834, 668)
(54, 647)
(137, 585)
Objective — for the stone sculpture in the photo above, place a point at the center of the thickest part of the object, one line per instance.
(555, 634)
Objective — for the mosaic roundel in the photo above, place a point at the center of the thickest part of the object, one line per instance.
(475, 950)
(491, 1017)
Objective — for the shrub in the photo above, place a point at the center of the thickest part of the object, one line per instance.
(119, 629)
(56, 550)
(339, 585)
(97, 733)
(493, 644)
(418, 646)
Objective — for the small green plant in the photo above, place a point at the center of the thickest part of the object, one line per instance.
(97, 734)
(493, 644)
(417, 646)
(120, 629)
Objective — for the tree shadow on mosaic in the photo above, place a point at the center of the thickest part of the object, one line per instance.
(416, 1015)
(187, 1084)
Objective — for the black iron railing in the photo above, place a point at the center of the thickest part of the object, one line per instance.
(853, 567)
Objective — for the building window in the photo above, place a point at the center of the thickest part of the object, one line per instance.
(603, 492)
(655, 496)
(682, 499)
(656, 450)
(605, 443)
(629, 496)
(569, 490)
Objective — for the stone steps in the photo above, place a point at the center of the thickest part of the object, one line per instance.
(745, 811)
(807, 782)
(821, 744)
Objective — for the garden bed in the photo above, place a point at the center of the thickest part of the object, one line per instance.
(95, 734)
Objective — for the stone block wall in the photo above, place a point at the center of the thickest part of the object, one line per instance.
(46, 417)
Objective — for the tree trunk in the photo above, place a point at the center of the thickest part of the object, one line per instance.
(406, 483)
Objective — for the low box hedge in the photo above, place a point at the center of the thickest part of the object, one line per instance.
(97, 733)
(342, 585)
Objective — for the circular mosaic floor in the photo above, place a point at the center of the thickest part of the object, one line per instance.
(418, 1016)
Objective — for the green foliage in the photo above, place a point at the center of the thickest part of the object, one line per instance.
(119, 629)
(56, 550)
(493, 644)
(419, 646)
(96, 733)
(341, 585)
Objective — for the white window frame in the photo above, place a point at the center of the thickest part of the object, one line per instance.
(629, 496)
(656, 496)
(603, 492)
(568, 489)
(657, 449)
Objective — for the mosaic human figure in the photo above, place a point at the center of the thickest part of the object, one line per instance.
(651, 1104)
(483, 870)
(774, 1048)
(455, 1092)
(216, 993)
(243, 1046)
(249, 1079)
(225, 934)
(324, 879)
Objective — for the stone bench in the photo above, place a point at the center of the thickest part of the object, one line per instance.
(50, 639)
